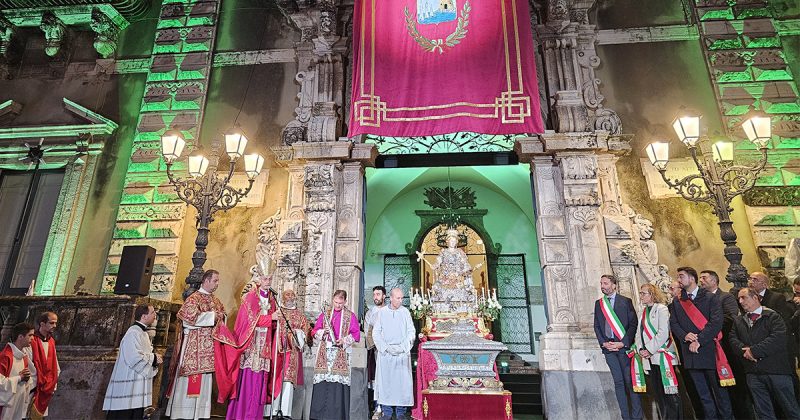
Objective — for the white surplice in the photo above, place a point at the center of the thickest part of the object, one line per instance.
(180, 406)
(394, 335)
(15, 395)
(131, 384)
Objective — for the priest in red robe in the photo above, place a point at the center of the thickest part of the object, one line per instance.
(250, 359)
(43, 347)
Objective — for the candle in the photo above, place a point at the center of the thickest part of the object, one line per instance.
(494, 293)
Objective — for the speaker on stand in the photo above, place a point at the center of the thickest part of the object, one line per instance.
(135, 270)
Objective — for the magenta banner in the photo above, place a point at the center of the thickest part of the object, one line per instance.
(426, 67)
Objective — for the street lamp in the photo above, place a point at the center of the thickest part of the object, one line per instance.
(719, 180)
(205, 189)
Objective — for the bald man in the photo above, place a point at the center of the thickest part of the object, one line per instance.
(773, 300)
(394, 335)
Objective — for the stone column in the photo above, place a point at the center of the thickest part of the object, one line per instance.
(574, 254)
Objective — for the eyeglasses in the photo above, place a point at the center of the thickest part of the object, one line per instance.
(644, 293)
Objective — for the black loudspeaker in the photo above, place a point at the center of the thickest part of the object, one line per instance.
(135, 270)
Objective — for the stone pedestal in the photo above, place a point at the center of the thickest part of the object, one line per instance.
(88, 335)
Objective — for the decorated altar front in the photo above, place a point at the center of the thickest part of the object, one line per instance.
(456, 371)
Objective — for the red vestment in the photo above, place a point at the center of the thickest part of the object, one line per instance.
(198, 355)
(229, 346)
(46, 372)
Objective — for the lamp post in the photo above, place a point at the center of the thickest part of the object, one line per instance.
(206, 189)
(719, 179)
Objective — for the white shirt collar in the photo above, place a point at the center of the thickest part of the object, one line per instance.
(761, 293)
(693, 293)
(758, 310)
(203, 291)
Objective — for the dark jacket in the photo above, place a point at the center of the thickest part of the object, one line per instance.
(777, 302)
(623, 307)
(710, 306)
(730, 310)
(767, 341)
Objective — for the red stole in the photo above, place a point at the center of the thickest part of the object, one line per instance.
(699, 320)
(46, 372)
(229, 346)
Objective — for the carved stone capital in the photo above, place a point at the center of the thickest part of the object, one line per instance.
(54, 33)
(571, 114)
(105, 42)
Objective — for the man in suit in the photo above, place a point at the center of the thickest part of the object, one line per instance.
(760, 337)
(771, 299)
(698, 346)
(709, 280)
(740, 396)
(615, 325)
(777, 302)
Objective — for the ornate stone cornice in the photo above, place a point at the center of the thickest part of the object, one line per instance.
(105, 20)
(772, 196)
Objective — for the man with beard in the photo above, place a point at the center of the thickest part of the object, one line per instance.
(696, 323)
(379, 297)
(292, 352)
(615, 325)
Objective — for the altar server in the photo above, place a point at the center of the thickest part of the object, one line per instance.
(17, 374)
(394, 336)
(43, 347)
(130, 389)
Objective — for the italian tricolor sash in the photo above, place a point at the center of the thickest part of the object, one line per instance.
(668, 378)
(699, 320)
(611, 318)
(637, 370)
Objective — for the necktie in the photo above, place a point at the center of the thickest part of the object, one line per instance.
(691, 296)
(753, 316)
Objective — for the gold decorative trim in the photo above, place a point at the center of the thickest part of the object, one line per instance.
(438, 392)
(425, 406)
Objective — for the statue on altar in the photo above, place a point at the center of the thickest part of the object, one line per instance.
(452, 291)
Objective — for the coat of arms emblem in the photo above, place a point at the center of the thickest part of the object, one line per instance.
(434, 12)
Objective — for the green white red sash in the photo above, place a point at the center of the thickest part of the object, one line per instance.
(637, 370)
(637, 367)
(699, 320)
(665, 355)
(611, 318)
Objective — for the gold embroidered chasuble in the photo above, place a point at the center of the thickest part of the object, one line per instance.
(198, 355)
